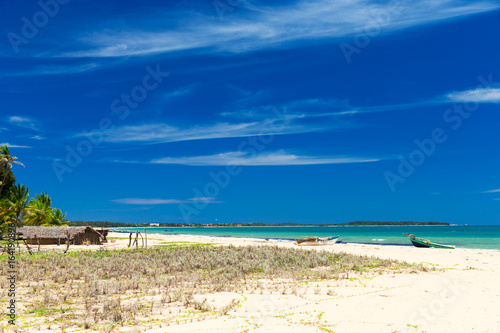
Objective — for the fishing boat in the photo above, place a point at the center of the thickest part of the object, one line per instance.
(421, 242)
(317, 241)
(120, 231)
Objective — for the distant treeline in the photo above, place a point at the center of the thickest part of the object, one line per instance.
(355, 223)
(106, 224)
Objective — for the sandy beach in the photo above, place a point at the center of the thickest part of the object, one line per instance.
(457, 292)
(461, 295)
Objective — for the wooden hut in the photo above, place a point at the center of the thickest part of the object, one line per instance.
(59, 235)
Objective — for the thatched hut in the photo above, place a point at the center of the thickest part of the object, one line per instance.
(59, 235)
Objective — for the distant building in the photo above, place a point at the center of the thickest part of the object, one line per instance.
(154, 224)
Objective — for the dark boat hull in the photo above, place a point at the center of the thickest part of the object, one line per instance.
(419, 245)
(425, 243)
(315, 241)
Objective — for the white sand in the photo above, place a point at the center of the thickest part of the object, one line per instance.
(465, 297)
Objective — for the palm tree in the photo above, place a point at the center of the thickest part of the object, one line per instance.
(14, 205)
(57, 218)
(7, 161)
(39, 211)
(44, 197)
(6, 215)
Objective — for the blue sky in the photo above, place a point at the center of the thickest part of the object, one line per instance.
(248, 111)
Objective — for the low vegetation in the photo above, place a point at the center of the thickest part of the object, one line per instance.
(104, 290)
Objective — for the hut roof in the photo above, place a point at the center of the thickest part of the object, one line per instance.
(53, 232)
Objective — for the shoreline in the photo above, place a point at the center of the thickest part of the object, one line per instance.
(346, 247)
(291, 240)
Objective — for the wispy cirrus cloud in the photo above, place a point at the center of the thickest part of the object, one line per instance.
(9, 145)
(52, 159)
(295, 117)
(275, 158)
(162, 133)
(22, 121)
(297, 109)
(479, 95)
(183, 91)
(259, 121)
(55, 70)
(492, 191)
(147, 201)
(263, 26)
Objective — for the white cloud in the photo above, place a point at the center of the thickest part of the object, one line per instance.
(266, 120)
(165, 133)
(22, 122)
(183, 91)
(276, 158)
(18, 119)
(13, 146)
(72, 69)
(297, 109)
(317, 108)
(268, 27)
(204, 199)
(261, 120)
(56, 70)
(38, 137)
(479, 95)
(139, 201)
(45, 158)
(261, 113)
(492, 191)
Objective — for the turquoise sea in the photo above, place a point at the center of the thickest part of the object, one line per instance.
(471, 237)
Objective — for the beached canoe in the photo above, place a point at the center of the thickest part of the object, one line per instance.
(421, 242)
(317, 241)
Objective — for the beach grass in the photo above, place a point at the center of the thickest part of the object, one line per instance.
(98, 289)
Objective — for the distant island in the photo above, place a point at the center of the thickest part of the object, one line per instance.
(106, 224)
